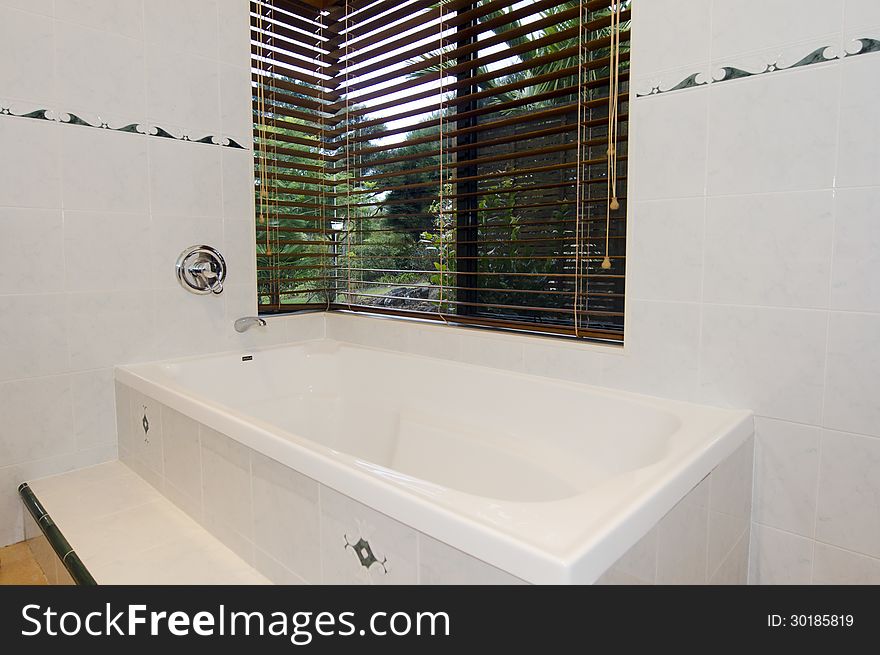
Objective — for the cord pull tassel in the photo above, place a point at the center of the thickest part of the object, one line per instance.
(606, 263)
(614, 204)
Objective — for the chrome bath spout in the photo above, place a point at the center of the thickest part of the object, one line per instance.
(245, 323)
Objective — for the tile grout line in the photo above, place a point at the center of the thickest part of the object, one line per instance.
(697, 392)
(823, 407)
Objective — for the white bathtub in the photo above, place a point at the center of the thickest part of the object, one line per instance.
(549, 481)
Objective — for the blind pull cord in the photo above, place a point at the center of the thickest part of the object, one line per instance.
(614, 78)
(441, 171)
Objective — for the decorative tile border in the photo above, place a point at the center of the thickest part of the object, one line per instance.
(97, 122)
(365, 553)
(727, 73)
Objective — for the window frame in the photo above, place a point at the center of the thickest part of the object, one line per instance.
(466, 223)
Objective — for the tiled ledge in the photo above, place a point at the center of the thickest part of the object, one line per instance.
(127, 533)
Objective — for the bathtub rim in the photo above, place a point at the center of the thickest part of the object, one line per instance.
(611, 534)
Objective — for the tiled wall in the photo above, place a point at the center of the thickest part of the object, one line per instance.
(92, 219)
(764, 188)
(753, 262)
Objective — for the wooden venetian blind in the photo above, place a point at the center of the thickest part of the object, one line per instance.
(462, 161)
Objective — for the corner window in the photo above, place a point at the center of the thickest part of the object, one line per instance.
(462, 161)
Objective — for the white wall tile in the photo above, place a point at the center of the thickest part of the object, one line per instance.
(639, 563)
(730, 508)
(236, 110)
(662, 350)
(734, 570)
(742, 25)
(61, 462)
(668, 150)
(181, 454)
(238, 185)
(774, 133)
(43, 7)
(393, 335)
(105, 251)
(441, 564)
(287, 517)
(855, 285)
(90, 77)
(183, 91)
(557, 360)
(185, 179)
(436, 340)
(123, 17)
(786, 475)
(835, 566)
(104, 170)
(235, 32)
(239, 239)
(231, 538)
(27, 65)
(170, 235)
(109, 328)
(859, 157)
(861, 14)
(35, 180)
(770, 249)
(226, 486)
(303, 327)
(177, 311)
(345, 521)
(852, 374)
(32, 337)
(37, 419)
(31, 250)
(661, 44)
(848, 512)
(11, 527)
(171, 23)
(94, 408)
(240, 301)
(274, 570)
(779, 557)
(664, 250)
(768, 360)
(124, 424)
(190, 506)
(682, 540)
(730, 483)
(725, 533)
(488, 350)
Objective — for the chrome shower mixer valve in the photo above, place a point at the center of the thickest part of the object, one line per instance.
(201, 269)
